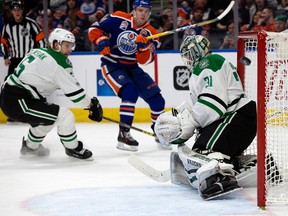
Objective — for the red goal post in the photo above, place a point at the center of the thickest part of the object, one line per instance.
(266, 81)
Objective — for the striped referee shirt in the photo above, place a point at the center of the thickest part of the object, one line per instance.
(19, 38)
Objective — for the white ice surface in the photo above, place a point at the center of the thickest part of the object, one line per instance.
(107, 186)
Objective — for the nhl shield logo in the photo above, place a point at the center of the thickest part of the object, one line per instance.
(181, 76)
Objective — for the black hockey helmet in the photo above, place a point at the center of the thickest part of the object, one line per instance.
(16, 4)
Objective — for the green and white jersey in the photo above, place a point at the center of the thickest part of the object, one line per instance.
(42, 71)
(215, 89)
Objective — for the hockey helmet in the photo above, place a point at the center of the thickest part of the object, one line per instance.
(193, 49)
(61, 35)
(142, 3)
(16, 4)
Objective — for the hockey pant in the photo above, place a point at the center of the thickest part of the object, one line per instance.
(18, 105)
(230, 135)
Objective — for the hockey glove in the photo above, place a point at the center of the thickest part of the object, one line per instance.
(142, 43)
(187, 124)
(95, 110)
(103, 45)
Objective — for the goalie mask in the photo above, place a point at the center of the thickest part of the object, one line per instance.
(193, 49)
(61, 35)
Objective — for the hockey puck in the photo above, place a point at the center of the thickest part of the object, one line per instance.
(244, 60)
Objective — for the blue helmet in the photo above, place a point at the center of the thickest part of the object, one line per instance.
(142, 3)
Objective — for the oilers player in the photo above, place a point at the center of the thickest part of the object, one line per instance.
(224, 117)
(39, 74)
(120, 65)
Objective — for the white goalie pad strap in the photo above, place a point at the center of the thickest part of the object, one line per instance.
(207, 170)
(225, 167)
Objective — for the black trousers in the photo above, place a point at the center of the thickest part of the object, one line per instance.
(18, 105)
(230, 135)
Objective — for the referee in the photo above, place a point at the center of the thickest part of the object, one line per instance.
(19, 35)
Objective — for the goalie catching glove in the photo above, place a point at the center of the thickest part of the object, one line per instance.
(175, 126)
(95, 110)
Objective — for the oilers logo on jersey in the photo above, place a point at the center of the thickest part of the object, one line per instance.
(127, 38)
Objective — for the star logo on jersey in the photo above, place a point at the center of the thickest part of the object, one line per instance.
(204, 63)
(127, 38)
(181, 75)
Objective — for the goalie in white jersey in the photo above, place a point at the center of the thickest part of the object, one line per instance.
(39, 74)
(224, 118)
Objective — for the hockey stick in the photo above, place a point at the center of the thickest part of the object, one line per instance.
(156, 175)
(245, 179)
(128, 126)
(218, 18)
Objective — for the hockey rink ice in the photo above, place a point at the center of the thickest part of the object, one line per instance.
(108, 185)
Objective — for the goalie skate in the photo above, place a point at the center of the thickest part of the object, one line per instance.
(244, 162)
(219, 185)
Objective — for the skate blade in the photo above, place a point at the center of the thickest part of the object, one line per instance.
(222, 194)
(125, 147)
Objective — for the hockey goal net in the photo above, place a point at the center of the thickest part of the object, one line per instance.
(266, 81)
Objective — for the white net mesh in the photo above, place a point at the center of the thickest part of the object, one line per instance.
(276, 109)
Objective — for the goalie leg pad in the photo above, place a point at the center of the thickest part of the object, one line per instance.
(191, 161)
(177, 173)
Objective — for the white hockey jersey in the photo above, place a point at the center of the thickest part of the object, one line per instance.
(42, 71)
(215, 89)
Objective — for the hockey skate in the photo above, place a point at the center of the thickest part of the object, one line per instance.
(218, 185)
(214, 182)
(79, 152)
(244, 162)
(126, 141)
(41, 151)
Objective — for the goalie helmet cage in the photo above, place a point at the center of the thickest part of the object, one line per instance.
(265, 80)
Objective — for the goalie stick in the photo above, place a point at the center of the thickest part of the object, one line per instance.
(165, 176)
(161, 34)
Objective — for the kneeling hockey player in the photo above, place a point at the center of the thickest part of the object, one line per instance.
(38, 75)
(224, 118)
